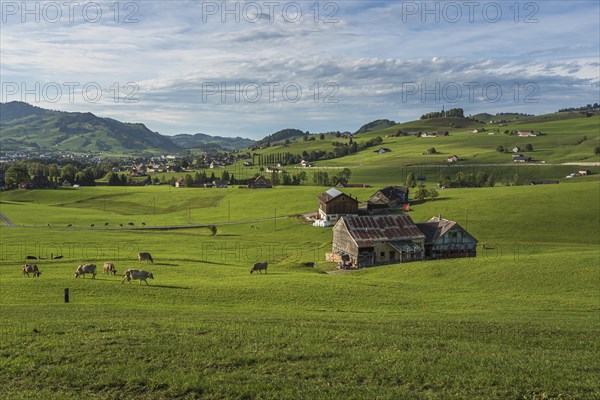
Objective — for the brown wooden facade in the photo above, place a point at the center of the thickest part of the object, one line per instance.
(334, 204)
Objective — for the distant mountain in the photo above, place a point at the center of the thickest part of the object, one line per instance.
(376, 125)
(211, 143)
(281, 136)
(26, 127)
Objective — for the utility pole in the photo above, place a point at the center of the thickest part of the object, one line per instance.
(275, 220)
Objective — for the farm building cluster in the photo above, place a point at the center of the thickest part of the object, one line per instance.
(369, 236)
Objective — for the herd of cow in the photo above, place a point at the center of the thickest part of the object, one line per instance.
(129, 275)
(109, 268)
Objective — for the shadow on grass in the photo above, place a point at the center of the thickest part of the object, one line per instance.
(169, 287)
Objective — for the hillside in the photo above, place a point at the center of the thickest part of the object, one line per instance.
(211, 143)
(25, 127)
(375, 126)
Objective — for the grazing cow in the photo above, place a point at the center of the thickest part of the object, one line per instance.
(30, 257)
(135, 274)
(31, 268)
(86, 269)
(109, 268)
(145, 256)
(259, 267)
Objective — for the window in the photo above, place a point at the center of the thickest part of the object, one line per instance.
(382, 254)
(392, 255)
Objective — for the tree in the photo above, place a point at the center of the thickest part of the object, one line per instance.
(500, 149)
(188, 181)
(113, 179)
(67, 173)
(421, 193)
(225, 176)
(410, 180)
(15, 174)
(432, 194)
(528, 147)
(445, 181)
(322, 136)
(597, 150)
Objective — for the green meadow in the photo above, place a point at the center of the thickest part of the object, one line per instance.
(519, 321)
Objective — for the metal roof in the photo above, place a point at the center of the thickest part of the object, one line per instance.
(366, 230)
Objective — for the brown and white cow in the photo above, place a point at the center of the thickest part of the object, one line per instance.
(145, 256)
(31, 269)
(135, 274)
(259, 267)
(86, 269)
(109, 268)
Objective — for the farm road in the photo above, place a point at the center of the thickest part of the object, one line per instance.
(5, 219)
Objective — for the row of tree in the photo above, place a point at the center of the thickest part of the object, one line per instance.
(451, 113)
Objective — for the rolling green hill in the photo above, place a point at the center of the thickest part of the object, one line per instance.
(25, 127)
(206, 142)
(519, 321)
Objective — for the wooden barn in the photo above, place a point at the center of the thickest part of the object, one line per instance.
(366, 241)
(447, 239)
(389, 197)
(334, 204)
(260, 183)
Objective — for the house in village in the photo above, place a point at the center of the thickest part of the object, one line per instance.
(527, 133)
(218, 183)
(260, 183)
(387, 198)
(453, 159)
(382, 150)
(584, 172)
(442, 133)
(341, 185)
(447, 239)
(334, 204)
(365, 241)
(520, 158)
(305, 164)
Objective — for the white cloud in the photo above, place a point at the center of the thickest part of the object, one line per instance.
(375, 47)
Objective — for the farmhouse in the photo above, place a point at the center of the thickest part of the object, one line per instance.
(365, 241)
(334, 204)
(520, 158)
(305, 164)
(382, 150)
(453, 158)
(260, 183)
(584, 172)
(447, 239)
(389, 197)
(442, 133)
(527, 133)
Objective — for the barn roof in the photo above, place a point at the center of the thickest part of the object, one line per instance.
(366, 230)
(329, 195)
(436, 227)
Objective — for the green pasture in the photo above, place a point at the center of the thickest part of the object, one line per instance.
(519, 321)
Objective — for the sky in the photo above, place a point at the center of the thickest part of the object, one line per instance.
(251, 68)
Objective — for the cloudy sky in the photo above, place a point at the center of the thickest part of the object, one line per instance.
(243, 68)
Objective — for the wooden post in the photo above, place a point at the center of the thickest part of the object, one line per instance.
(66, 295)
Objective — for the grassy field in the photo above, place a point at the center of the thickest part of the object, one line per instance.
(520, 321)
